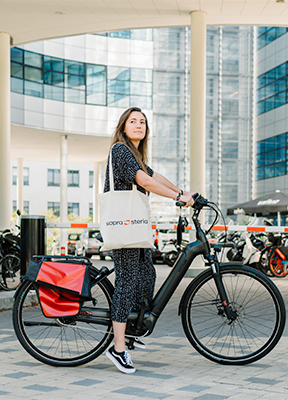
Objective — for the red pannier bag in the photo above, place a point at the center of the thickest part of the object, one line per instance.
(61, 286)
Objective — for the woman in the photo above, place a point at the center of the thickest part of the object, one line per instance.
(134, 271)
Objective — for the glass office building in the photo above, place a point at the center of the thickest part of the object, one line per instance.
(161, 86)
(272, 110)
(229, 112)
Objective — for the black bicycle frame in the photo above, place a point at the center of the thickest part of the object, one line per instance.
(184, 260)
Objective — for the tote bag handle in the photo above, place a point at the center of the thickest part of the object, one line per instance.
(111, 177)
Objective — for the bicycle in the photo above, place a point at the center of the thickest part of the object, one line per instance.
(231, 314)
(10, 262)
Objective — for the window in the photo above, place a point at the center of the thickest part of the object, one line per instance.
(54, 78)
(118, 86)
(25, 176)
(73, 208)
(271, 158)
(74, 82)
(26, 206)
(55, 207)
(268, 34)
(14, 205)
(272, 88)
(91, 179)
(53, 177)
(96, 76)
(73, 178)
(91, 210)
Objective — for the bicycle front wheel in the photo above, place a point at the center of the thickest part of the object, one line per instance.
(255, 301)
(61, 341)
(10, 272)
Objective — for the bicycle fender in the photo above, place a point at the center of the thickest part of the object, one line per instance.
(19, 287)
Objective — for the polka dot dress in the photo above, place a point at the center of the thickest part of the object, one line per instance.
(134, 271)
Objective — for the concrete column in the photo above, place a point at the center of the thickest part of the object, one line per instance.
(197, 101)
(20, 184)
(5, 175)
(63, 189)
(95, 192)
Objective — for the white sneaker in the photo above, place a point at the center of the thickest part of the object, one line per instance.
(122, 360)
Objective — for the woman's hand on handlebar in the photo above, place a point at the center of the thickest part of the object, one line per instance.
(187, 198)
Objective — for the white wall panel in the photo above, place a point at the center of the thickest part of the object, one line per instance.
(53, 49)
(96, 112)
(74, 125)
(74, 110)
(74, 53)
(96, 56)
(17, 116)
(95, 127)
(33, 104)
(53, 107)
(55, 122)
(96, 42)
(118, 59)
(33, 119)
(118, 45)
(141, 61)
(17, 100)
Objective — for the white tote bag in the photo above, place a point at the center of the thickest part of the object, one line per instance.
(124, 217)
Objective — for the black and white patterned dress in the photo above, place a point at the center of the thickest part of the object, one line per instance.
(134, 271)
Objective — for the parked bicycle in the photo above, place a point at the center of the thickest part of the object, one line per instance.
(9, 260)
(232, 314)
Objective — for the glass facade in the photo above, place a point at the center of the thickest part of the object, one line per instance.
(272, 89)
(272, 157)
(229, 113)
(165, 89)
(267, 34)
(59, 79)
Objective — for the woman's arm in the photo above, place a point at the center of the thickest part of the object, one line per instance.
(160, 178)
(159, 186)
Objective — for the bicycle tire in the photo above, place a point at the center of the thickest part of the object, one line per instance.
(260, 316)
(57, 344)
(276, 265)
(10, 272)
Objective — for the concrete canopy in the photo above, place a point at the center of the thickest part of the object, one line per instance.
(33, 20)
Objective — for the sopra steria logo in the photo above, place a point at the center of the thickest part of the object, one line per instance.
(128, 222)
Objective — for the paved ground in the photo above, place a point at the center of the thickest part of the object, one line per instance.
(168, 369)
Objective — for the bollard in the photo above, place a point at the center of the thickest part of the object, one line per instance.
(62, 251)
(33, 238)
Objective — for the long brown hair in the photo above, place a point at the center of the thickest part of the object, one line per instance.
(119, 136)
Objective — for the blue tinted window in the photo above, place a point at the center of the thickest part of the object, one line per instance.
(33, 59)
(17, 55)
(96, 84)
(17, 85)
(17, 70)
(54, 64)
(75, 68)
(53, 78)
(33, 89)
(33, 74)
(120, 34)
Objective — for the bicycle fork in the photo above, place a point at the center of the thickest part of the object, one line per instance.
(230, 314)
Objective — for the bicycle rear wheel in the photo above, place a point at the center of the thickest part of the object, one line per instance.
(61, 341)
(10, 272)
(260, 316)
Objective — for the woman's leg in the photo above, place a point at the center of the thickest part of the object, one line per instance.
(119, 335)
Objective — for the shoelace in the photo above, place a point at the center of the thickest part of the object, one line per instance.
(127, 358)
